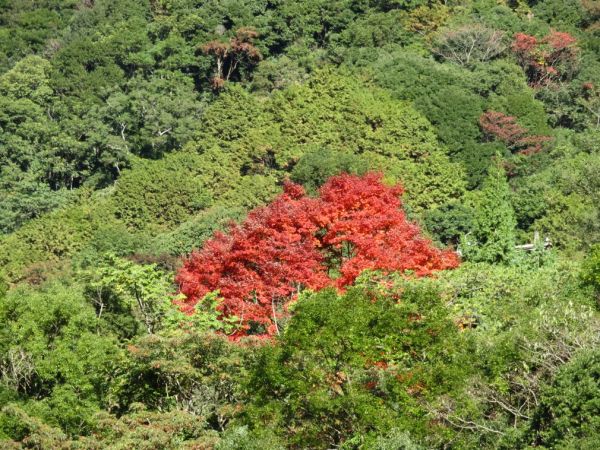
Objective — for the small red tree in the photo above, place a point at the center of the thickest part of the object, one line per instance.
(298, 242)
(497, 125)
(552, 58)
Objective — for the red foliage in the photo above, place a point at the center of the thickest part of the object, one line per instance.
(264, 260)
(366, 229)
(506, 129)
(299, 242)
(550, 59)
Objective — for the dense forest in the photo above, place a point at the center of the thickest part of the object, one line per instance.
(300, 224)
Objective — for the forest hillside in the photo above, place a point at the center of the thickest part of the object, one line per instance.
(308, 224)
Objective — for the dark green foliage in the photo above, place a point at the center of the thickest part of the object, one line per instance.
(439, 92)
(560, 13)
(193, 371)
(154, 115)
(23, 198)
(315, 167)
(591, 269)
(569, 410)
(28, 26)
(449, 222)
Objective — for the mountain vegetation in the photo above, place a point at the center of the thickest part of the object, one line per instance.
(310, 224)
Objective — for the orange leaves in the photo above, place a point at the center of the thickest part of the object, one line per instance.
(298, 242)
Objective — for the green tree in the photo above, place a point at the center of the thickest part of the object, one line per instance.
(590, 273)
(23, 197)
(569, 410)
(54, 357)
(142, 289)
(349, 368)
(492, 238)
(317, 166)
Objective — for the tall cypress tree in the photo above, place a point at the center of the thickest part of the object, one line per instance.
(492, 238)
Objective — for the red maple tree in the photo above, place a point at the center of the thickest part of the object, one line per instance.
(299, 242)
(497, 125)
(546, 60)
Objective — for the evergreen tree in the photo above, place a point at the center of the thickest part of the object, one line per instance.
(492, 237)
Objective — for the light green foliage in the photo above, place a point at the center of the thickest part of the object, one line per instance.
(336, 114)
(193, 233)
(52, 350)
(496, 296)
(252, 191)
(525, 322)
(241, 438)
(492, 238)
(141, 429)
(148, 430)
(45, 244)
(427, 186)
(143, 289)
(207, 317)
(227, 121)
(161, 194)
(16, 425)
(564, 196)
(340, 113)
(395, 440)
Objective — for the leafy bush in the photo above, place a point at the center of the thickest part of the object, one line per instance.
(568, 413)
(351, 367)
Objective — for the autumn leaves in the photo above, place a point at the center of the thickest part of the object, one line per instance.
(298, 242)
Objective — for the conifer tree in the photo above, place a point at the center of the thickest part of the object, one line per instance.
(492, 238)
